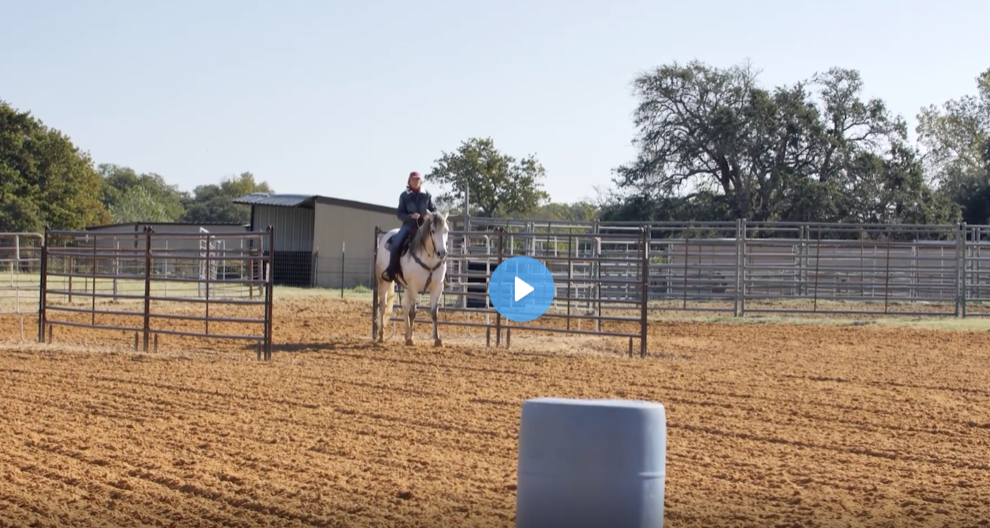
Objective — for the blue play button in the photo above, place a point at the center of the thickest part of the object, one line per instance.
(521, 289)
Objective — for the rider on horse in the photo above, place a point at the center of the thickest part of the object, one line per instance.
(413, 202)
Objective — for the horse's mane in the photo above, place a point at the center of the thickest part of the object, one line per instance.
(420, 238)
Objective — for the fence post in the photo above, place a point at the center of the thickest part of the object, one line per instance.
(374, 287)
(463, 268)
(598, 276)
(316, 268)
(803, 262)
(343, 259)
(818, 254)
(209, 271)
(687, 256)
(116, 268)
(269, 293)
(886, 275)
(95, 273)
(647, 236)
(743, 258)
(570, 278)
(43, 287)
(147, 284)
(736, 299)
(498, 316)
(961, 248)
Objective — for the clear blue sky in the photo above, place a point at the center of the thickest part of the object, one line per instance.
(345, 98)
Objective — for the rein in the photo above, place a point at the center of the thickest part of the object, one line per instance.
(431, 270)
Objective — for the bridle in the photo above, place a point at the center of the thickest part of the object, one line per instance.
(431, 270)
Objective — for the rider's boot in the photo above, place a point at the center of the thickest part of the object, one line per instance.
(391, 271)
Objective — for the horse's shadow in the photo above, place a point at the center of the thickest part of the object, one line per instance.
(297, 347)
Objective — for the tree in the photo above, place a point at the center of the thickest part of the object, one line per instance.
(700, 206)
(140, 198)
(956, 138)
(812, 151)
(214, 203)
(575, 212)
(44, 178)
(138, 205)
(499, 185)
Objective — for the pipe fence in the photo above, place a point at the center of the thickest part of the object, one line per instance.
(814, 268)
(741, 267)
(20, 261)
(216, 286)
(597, 293)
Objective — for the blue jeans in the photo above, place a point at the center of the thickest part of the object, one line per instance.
(400, 237)
(397, 242)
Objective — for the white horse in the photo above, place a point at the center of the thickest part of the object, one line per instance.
(424, 268)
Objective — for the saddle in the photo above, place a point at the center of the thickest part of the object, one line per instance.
(405, 245)
(405, 249)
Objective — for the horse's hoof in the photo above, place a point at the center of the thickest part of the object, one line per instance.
(409, 342)
(438, 343)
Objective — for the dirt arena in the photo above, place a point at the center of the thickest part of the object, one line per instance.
(769, 424)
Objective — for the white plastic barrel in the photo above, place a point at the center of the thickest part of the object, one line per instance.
(591, 463)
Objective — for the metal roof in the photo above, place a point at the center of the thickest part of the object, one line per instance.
(283, 200)
(297, 200)
(135, 224)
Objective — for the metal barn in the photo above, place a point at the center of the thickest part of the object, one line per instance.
(320, 241)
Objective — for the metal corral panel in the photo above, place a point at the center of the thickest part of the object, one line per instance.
(293, 226)
(132, 234)
(352, 230)
(791, 267)
(171, 245)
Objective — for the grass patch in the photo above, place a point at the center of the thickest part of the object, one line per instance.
(289, 292)
(938, 323)
(969, 323)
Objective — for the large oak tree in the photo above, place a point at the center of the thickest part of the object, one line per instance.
(814, 151)
(956, 138)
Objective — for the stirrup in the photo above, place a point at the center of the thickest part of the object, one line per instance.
(394, 278)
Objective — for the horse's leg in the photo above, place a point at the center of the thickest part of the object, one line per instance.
(383, 291)
(435, 294)
(409, 304)
(379, 309)
(376, 306)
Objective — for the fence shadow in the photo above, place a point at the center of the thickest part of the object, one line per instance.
(310, 347)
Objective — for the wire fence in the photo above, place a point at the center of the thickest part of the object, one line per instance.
(346, 272)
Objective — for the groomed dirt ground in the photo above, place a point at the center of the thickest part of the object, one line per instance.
(769, 424)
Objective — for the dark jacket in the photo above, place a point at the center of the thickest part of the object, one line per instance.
(410, 202)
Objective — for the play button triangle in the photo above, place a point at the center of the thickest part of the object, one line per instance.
(522, 289)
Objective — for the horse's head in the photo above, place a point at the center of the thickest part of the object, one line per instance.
(438, 230)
